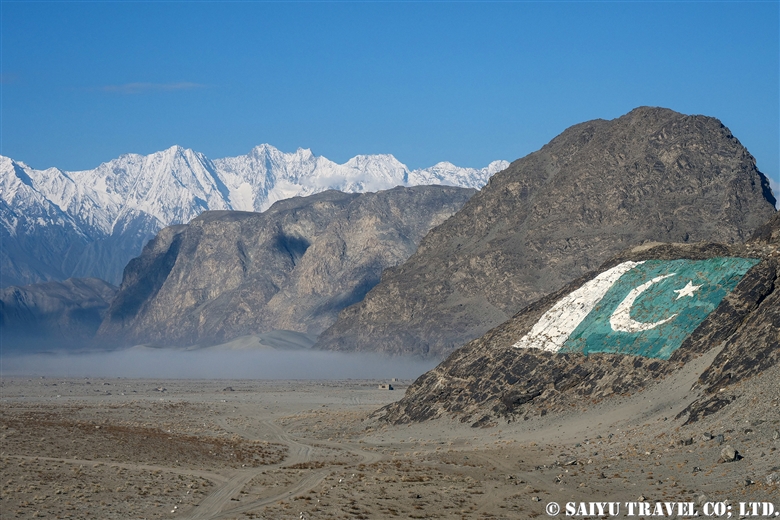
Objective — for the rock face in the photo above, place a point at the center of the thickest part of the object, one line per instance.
(53, 315)
(554, 215)
(292, 267)
(491, 378)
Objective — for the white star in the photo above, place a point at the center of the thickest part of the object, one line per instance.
(688, 290)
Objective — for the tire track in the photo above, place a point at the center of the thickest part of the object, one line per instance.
(307, 483)
(216, 505)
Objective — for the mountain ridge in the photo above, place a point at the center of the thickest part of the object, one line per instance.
(91, 222)
(228, 274)
(595, 189)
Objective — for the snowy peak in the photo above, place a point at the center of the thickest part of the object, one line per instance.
(176, 184)
(497, 166)
(449, 174)
(170, 186)
(38, 197)
(266, 174)
(140, 194)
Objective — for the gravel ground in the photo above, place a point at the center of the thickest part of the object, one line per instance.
(126, 449)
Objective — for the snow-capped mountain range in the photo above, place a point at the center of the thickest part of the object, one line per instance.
(56, 224)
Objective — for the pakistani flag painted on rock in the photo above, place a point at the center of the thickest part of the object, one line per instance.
(639, 308)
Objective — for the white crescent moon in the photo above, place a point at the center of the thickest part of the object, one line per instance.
(621, 320)
(556, 325)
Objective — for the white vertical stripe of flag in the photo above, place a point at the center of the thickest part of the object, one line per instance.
(556, 325)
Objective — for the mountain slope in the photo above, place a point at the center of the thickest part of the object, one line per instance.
(58, 224)
(39, 240)
(520, 369)
(53, 314)
(292, 267)
(597, 188)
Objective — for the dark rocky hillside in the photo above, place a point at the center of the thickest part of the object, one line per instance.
(489, 380)
(598, 188)
(53, 315)
(292, 267)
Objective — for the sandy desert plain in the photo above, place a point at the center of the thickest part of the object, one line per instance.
(121, 448)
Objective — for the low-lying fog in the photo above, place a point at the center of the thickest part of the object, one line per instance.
(214, 364)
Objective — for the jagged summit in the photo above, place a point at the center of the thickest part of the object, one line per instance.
(91, 222)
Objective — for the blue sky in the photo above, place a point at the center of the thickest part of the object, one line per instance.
(468, 82)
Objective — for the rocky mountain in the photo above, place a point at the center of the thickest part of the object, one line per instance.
(293, 267)
(56, 224)
(53, 315)
(642, 316)
(554, 215)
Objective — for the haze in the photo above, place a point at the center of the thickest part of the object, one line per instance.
(142, 362)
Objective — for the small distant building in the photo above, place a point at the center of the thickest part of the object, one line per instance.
(386, 386)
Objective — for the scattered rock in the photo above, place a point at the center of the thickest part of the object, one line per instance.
(773, 478)
(729, 454)
(685, 442)
(228, 389)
